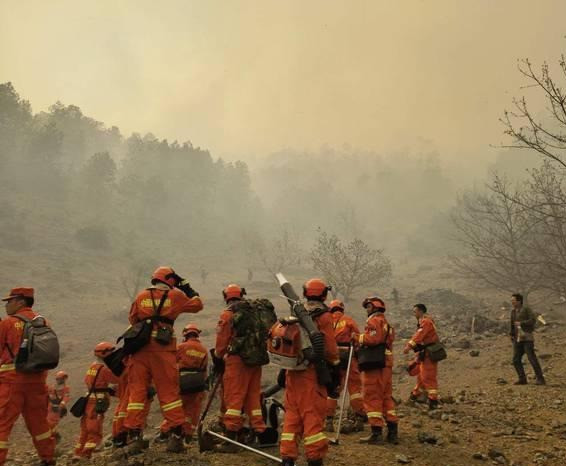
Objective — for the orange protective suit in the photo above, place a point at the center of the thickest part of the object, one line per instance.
(344, 328)
(155, 361)
(58, 397)
(191, 355)
(305, 399)
(427, 378)
(378, 383)
(92, 422)
(20, 393)
(241, 383)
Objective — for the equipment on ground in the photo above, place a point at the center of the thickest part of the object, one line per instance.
(244, 446)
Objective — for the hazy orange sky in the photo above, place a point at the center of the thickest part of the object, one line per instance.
(250, 77)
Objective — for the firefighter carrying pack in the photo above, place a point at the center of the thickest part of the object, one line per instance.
(250, 331)
(39, 349)
(285, 344)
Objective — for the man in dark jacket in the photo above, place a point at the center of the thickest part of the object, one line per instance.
(523, 322)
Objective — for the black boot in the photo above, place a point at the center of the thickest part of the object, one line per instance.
(163, 437)
(540, 381)
(120, 440)
(228, 447)
(314, 462)
(287, 462)
(375, 437)
(521, 381)
(392, 433)
(432, 404)
(268, 438)
(175, 443)
(136, 445)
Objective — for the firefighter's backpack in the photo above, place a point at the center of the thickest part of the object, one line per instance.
(285, 344)
(250, 334)
(39, 350)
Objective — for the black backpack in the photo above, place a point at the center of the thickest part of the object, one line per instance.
(39, 349)
(250, 333)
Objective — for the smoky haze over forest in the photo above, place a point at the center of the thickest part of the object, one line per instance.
(218, 133)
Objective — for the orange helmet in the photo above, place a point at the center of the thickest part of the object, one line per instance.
(191, 328)
(375, 301)
(233, 291)
(164, 275)
(315, 289)
(103, 349)
(61, 375)
(336, 305)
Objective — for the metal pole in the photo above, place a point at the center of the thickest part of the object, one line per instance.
(246, 447)
(336, 440)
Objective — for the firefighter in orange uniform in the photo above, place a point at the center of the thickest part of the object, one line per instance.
(344, 328)
(22, 393)
(241, 383)
(378, 383)
(427, 376)
(58, 396)
(192, 356)
(98, 379)
(157, 360)
(305, 398)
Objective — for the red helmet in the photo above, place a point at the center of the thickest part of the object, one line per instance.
(191, 328)
(315, 289)
(335, 305)
(164, 275)
(233, 291)
(375, 301)
(103, 349)
(61, 375)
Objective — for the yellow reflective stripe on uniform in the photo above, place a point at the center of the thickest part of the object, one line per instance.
(374, 414)
(256, 412)
(3, 445)
(7, 367)
(43, 436)
(287, 436)
(432, 390)
(195, 353)
(355, 396)
(388, 352)
(314, 438)
(412, 343)
(172, 405)
(90, 445)
(233, 412)
(122, 414)
(135, 406)
(392, 412)
(149, 303)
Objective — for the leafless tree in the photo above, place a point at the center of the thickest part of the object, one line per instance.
(497, 236)
(545, 134)
(139, 272)
(350, 266)
(281, 251)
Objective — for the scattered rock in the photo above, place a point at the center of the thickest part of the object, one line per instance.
(480, 456)
(402, 459)
(474, 353)
(426, 437)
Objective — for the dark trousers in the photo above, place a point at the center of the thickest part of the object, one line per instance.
(519, 349)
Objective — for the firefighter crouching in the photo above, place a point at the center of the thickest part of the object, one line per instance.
(344, 328)
(155, 358)
(97, 380)
(305, 397)
(425, 336)
(376, 363)
(22, 393)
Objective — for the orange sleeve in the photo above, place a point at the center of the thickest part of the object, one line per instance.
(181, 303)
(374, 333)
(424, 333)
(326, 325)
(223, 333)
(133, 317)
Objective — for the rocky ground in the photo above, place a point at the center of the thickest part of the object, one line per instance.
(484, 418)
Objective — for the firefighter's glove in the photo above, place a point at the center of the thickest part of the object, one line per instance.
(151, 392)
(281, 377)
(62, 411)
(218, 365)
(186, 288)
(334, 386)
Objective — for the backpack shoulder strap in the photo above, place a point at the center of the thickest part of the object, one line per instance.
(157, 310)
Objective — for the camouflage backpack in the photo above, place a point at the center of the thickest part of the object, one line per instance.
(250, 331)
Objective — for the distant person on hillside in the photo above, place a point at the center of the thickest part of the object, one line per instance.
(59, 395)
(523, 322)
(22, 393)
